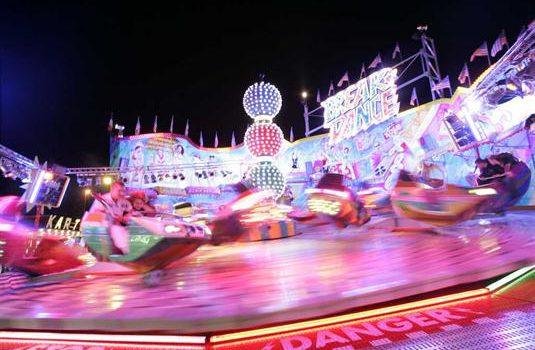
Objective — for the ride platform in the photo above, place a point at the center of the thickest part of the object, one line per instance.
(244, 286)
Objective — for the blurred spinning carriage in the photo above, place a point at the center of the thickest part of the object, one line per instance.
(450, 204)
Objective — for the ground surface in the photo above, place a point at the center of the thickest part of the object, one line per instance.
(242, 285)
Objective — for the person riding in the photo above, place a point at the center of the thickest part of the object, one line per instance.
(488, 172)
(118, 208)
(505, 160)
(140, 205)
(517, 175)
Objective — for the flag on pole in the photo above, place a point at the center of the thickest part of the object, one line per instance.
(186, 130)
(376, 61)
(233, 140)
(414, 98)
(318, 97)
(363, 72)
(216, 140)
(443, 84)
(172, 122)
(292, 134)
(397, 51)
(482, 50)
(201, 141)
(498, 45)
(344, 79)
(138, 126)
(464, 75)
(155, 126)
(331, 89)
(110, 123)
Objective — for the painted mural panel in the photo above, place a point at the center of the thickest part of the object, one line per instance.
(374, 155)
(170, 160)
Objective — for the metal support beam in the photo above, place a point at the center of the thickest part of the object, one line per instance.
(430, 71)
(430, 64)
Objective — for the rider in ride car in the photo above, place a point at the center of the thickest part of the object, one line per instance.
(119, 208)
(488, 172)
(504, 160)
(140, 205)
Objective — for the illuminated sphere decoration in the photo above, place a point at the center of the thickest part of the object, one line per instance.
(268, 177)
(263, 139)
(262, 100)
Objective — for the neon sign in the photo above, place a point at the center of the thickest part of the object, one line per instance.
(368, 102)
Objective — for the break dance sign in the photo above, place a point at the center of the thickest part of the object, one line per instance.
(368, 102)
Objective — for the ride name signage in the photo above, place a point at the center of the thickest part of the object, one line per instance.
(368, 102)
(56, 222)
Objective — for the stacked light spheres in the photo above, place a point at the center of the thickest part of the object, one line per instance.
(263, 139)
(262, 102)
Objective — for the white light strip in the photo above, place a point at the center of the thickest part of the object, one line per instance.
(6, 227)
(473, 127)
(510, 277)
(483, 191)
(36, 186)
(126, 338)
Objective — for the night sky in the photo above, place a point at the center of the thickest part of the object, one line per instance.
(66, 66)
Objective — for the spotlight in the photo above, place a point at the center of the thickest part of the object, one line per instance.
(120, 129)
(304, 94)
(421, 32)
(87, 191)
(422, 28)
(107, 180)
(512, 87)
(473, 105)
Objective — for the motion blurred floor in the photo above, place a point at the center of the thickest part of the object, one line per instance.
(243, 285)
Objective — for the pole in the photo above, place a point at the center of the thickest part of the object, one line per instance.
(469, 80)
(32, 240)
(305, 115)
(38, 213)
(530, 148)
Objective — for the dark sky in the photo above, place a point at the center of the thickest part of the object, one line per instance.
(66, 65)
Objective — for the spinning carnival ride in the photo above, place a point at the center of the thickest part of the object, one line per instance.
(213, 284)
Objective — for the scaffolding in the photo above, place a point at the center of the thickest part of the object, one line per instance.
(426, 59)
(15, 165)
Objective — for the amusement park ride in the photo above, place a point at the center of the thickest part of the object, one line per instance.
(209, 272)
